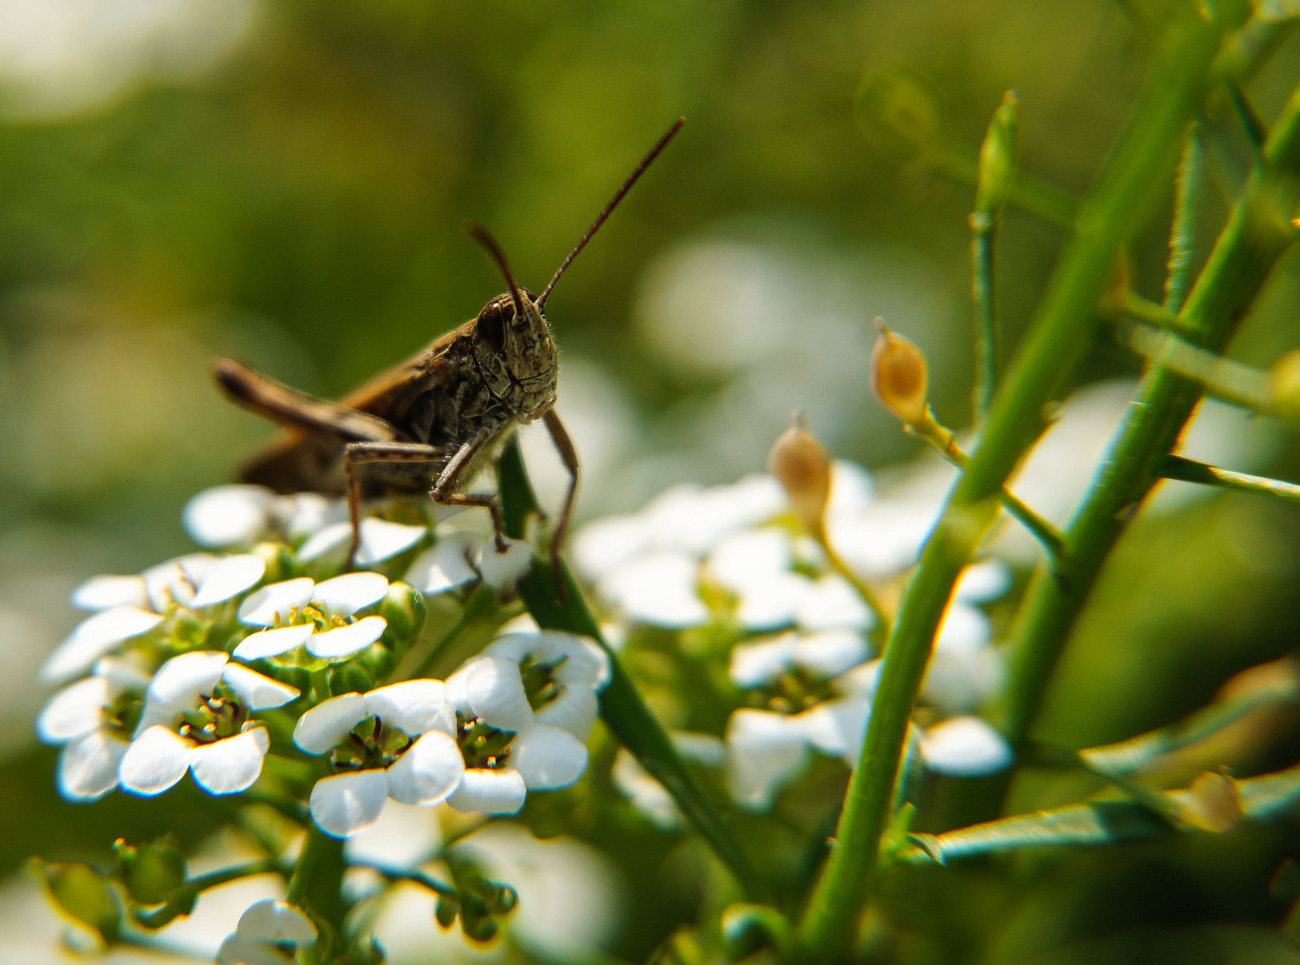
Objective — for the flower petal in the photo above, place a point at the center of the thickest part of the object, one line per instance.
(344, 595)
(183, 679)
(428, 772)
(324, 726)
(759, 662)
(548, 757)
(573, 709)
(965, 747)
(837, 726)
(94, 637)
(227, 515)
(658, 589)
(107, 591)
(490, 792)
(491, 689)
(88, 766)
(764, 750)
(272, 603)
(75, 711)
(382, 539)
(504, 570)
(326, 540)
(230, 765)
(272, 643)
(413, 706)
(257, 691)
(229, 577)
(445, 565)
(830, 652)
(346, 640)
(155, 761)
(276, 921)
(831, 603)
(343, 804)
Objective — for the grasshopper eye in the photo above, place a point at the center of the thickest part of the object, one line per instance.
(492, 322)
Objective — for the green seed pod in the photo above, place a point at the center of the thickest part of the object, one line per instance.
(84, 895)
(998, 158)
(151, 872)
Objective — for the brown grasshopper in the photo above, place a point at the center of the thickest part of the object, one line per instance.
(439, 416)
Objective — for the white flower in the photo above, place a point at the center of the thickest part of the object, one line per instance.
(965, 747)
(229, 515)
(823, 654)
(765, 751)
(81, 718)
(660, 589)
(508, 748)
(267, 933)
(381, 539)
(503, 570)
(566, 671)
(197, 716)
(445, 565)
(396, 741)
(320, 615)
(93, 638)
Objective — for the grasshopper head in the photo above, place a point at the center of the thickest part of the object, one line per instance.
(515, 353)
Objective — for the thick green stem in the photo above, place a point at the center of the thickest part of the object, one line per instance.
(1062, 328)
(1256, 234)
(317, 882)
(983, 232)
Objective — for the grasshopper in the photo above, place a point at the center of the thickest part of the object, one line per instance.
(431, 422)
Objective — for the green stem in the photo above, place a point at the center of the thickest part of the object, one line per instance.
(182, 902)
(317, 882)
(1061, 330)
(983, 231)
(1189, 470)
(1255, 236)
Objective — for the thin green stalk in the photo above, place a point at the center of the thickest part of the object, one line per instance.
(1189, 470)
(1255, 236)
(1182, 230)
(1063, 327)
(983, 232)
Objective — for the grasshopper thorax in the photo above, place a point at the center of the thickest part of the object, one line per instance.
(515, 354)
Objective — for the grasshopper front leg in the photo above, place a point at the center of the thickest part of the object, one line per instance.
(569, 456)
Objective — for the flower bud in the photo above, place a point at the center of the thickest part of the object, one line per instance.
(1284, 385)
(899, 377)
(84, 895)
(997, 164)
(803, 468)
(1212, 803)
(403, 607)
(151, 872)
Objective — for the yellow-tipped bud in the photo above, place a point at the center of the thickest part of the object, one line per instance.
(998, 154)
(802, 466)
(900, 377)
(1284, 385)
(1212, 804)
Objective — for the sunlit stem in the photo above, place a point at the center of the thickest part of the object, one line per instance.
(182, 902)
(945, 442)
(1230, 381)
(1189, 470)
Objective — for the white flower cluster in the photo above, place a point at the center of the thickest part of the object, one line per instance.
(729, 558)
(160, 680)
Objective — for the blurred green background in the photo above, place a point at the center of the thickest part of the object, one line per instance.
(285, 182)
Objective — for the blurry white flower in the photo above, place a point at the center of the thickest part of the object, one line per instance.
(824, 654)
(197, 716)
(267, 934)
(395, 741)
(381, 539)
(319, 615)
(81, 717)
(93, 638)
(224, 516)
(965, 747)
(445, 565)
(765, 751)
(503, 570)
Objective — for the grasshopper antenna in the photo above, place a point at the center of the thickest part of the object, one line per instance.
(479, 234)
(613, 203)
